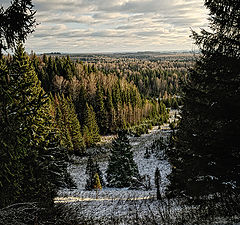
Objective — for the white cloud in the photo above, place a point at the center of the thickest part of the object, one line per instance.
(115, 25)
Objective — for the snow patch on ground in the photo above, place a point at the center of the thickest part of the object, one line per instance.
(146, 167)
(119, 202)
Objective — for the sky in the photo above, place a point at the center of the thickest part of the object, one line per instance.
(95, 26)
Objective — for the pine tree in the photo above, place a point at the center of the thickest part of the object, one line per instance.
(116, 95)
(99, 172)
(61, 119)
(122, 171)
(80, 104)
(206, 158)
(68, 74)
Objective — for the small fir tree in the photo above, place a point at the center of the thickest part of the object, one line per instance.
(92, 169)
(97, 184)
(122, 171)
(157, 183)
(90, 174)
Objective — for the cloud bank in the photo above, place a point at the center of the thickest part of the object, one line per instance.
(81, 26)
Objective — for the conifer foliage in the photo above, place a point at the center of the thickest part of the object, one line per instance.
(90, 127)
(97, 185)
(122, 170)
(16, 22)
(100, 111)
(31, 160)
(68, 124)
(158, 182)
(207, 154)
(91, 170)
(116, 103)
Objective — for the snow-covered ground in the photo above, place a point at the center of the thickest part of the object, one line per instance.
(146, 167)
(118, 201)
(122, 205)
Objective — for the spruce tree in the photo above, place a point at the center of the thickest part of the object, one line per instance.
(122, 170)
(157, 183)
(91, 170)
(97, 184)
(16, 22)
(90, 174)
(91, 130)
(75, 130)
(62, 122)
(207, 154)
(80, 104)
(100, 111)
(110, 112)
(29, 146)
(68, 125)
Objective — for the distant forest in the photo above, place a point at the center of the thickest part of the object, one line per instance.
(93, 99)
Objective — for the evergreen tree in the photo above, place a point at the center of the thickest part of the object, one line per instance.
(31, 160)
(68, 73)
(206, 158)
(100, 174)
(60, 113)
(68, 125)
(16, 22)
(110, 112)
(97, 184)
(157, 183)
(100, 111)
(91, 130)
(91, 170)
(122, 171)
(81, 104)
(75, 129)
(116, 95)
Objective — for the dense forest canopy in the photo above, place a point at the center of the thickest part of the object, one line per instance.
(112, 96)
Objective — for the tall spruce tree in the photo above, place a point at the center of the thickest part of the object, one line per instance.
(110, 112)
(100, 111)
(77, 138)
(68, 125)
(207, 154)
(80, 104)
(90, 128)
(122, 170)
(31, 160)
